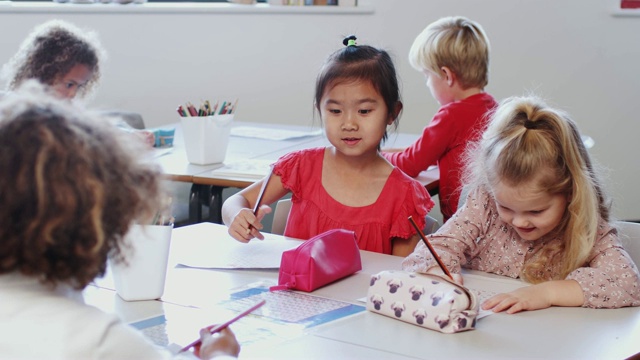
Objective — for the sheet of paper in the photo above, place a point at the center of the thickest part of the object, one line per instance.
(291, 307)
(158, 152)
(248, 168)
(179, 326)
(271, 134)
(227, 253)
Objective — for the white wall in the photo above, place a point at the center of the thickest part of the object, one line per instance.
(573, 52)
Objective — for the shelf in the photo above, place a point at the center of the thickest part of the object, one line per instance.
(175, 8)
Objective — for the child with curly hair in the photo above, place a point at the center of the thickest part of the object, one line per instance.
(66, 59)
(70, 188)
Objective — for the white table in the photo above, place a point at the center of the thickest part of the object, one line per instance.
(554, 333)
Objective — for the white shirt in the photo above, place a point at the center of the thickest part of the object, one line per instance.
(42, 322)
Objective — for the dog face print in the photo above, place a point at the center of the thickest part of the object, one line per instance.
(419, 314)
(436, 297)
(394, 285)
(442, 320)
(416, 291)
(460, 323)
(374, 278)
(377, 301)
(398, 307)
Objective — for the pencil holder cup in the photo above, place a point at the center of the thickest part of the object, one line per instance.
(206, 138)
(142, 274)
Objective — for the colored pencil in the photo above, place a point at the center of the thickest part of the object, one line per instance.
(256, 207)
(216, 328)
(433, 252)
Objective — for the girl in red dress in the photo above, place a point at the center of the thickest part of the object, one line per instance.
(348, 185)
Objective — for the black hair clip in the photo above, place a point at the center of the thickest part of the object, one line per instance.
(349, 40)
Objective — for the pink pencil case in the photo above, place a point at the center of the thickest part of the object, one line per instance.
(321, 260)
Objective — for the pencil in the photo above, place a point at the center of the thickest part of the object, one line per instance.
(217, 328)
(433, 252)
(261, 193)
(233, 107)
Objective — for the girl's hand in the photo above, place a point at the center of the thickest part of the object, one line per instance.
(246, 226)
(147, 137)
(526, 298)
(223, 343)
(539, 296)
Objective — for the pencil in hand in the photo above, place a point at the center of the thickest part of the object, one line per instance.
(433, 252)
(256, 207)
(217, 328)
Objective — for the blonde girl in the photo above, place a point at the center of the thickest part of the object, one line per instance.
(538, 211)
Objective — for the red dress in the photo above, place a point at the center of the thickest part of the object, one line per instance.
(443, 142)
(314, 211)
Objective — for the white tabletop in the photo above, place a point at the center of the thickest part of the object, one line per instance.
(174, 161)
(554, 333)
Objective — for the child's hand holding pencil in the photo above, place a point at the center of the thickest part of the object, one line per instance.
(244, 222)
(225, 343)
(454, 277)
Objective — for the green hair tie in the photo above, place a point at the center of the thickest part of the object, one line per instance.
(351, 42)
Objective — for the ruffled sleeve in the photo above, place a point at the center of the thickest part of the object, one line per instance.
(289, 168)
(417, 204)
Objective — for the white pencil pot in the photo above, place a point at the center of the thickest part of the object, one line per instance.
(206, 138)
(146, 251)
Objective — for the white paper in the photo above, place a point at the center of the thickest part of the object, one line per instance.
(227, 253)
(249, 168)
(158, 152)
(271, 133)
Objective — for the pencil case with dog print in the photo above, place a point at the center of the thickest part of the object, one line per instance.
(426, 300)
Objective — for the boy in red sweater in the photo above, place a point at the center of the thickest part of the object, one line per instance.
(453, 54)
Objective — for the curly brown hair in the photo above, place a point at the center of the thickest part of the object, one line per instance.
(51, 51)
(71, 185)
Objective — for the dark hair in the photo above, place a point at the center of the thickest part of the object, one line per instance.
(70, 187)
(362, 63)
(51, 51)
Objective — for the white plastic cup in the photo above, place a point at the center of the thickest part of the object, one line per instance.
(206, 138)
(142, 275)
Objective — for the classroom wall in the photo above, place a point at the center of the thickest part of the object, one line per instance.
(572, 52)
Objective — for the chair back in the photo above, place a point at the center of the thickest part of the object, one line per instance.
(629, 235)
(280, 216)
(430, 225)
